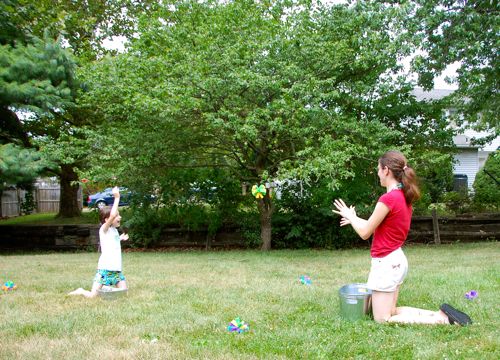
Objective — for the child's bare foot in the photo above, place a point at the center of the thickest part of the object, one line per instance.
(78, 291)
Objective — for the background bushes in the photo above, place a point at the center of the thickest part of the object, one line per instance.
(487, 186)
(303, 216)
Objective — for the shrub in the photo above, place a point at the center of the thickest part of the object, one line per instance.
(189, 204)
(435, 172)
(28, 203)
(249, 224)
(486, 186)
(304, 218)
(424, 205)
(146, 225)
(457, 202)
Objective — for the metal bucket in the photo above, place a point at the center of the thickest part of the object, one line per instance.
(111, 293)
(355, 301)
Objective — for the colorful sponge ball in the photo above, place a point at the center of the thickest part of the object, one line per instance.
(9, 285)
(237, 325)
(471, 295)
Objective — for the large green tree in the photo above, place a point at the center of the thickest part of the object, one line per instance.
(83, 26)
(37, 80)
(465, 33)
(18, 165)
(36, 77)
(267, 90)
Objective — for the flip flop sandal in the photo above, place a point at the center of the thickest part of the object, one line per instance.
(455, 316)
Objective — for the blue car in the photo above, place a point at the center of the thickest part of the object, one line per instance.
(105, 198)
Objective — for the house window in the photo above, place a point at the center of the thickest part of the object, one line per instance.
(460, 183)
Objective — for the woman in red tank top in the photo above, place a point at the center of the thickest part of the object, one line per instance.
(389, 224)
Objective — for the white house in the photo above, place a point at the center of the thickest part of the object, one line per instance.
(466, 160)
(469, 158)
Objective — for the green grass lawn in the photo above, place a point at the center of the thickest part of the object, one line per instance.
(88, 217)
(180, 303)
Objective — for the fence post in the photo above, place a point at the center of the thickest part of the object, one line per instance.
(18, 195)
(435, 227)
(37, 195)
(209, 238)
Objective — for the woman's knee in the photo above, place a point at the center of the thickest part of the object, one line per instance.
(381, 319)
(383, 305)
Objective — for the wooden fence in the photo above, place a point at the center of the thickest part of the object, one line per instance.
(11, 206)
(29, 237)
(46, 200)
(437, 230)
(424, 229)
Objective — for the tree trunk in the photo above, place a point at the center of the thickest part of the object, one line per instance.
(1, 211)
(266, 209)
(68, 204)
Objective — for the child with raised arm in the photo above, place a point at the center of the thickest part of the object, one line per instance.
(389, 224)
(109, 267)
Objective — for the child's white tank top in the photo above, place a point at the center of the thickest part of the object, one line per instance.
(111, 252)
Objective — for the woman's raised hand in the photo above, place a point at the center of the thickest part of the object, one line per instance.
(347, 212)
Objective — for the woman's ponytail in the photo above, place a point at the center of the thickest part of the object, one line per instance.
(410, 187)
(397, 163)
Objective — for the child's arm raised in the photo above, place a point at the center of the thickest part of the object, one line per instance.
(114, 210)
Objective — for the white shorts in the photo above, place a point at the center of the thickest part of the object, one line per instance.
(387, 273)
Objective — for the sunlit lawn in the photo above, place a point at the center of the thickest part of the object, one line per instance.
(180, 303)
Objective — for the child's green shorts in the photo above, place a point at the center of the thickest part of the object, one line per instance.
(108, 277)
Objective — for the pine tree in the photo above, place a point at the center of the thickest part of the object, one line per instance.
(18, 165)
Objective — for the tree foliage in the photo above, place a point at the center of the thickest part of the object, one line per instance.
(487, 183)
(244, 90)
(84, 24)
(39, 76)
(265, 90)
(36, 77)
(37, 72)
(37, 80)
(19, 165)
(465, 33)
